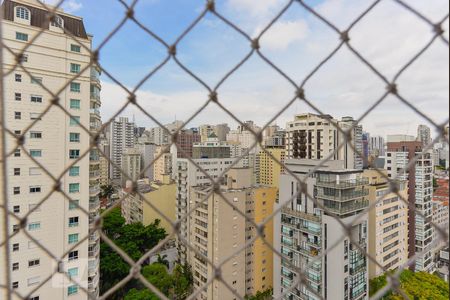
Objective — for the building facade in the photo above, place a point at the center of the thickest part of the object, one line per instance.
(269, 169)
(305, 231)
(120, 137)
(388, 224)
(131, 165)
(424, 134)
(57, 141)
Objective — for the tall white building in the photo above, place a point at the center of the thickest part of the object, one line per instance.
(56, 141)
(131, 165)
(424, 134)
(120, 136)
(147, 151)
(377, 146)
(305, 232)
(312, 136)
(400, 151)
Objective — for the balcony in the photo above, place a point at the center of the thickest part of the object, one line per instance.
(348, 208)
(93, 191)
(95, 112)
(95, 126)
(301, 215)
(94, 174)
(353, 195)
(94, 206)
(343, 184)
(95, 96)
(307, 252)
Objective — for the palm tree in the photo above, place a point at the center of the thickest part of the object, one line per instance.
(163, 260)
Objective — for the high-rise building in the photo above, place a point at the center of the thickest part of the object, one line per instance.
(424, 134)
(269, 169)
(440, 213)
(120, 137)
(312, 136)
(245, 137)
(377, 146)
(401, 150)
(388, 224)
(274, 136)
(56, 141)
(312, 240)
(221, 131)
(163, 163)
(211, 148)
(186, 139)
(131, 165)
(147, 151)
(218, 231)
(366, 151)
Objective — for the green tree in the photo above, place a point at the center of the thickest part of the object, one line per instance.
(135, 294)
(418, 286)
(106, 191)
(265, 295)
(163, 260)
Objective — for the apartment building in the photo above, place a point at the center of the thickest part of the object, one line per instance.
(120, 137)
(131, 165)
(163, 163)
(185, 142)
(377, 146)
(218, 231)
(220, 130)
(388, 224)
(440, 213)
(311, 240)
(401, 150)
(57, 141)
(269, 169)
(312, 136)
(424, 134)
(161, 195)
(212, 148)
(245, 137)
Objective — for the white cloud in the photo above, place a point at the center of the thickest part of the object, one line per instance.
(283, 34)
(259, 8)
(69, 6)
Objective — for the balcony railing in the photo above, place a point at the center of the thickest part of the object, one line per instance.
(94, 190)
(344, 197)
(301, 215)
(342, 209)
(342, 184)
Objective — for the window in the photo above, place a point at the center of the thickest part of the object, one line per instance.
(35, 116)
(75, 48)
(16, 171)
(17, 115)
(18, 96)
(74, 153)
(74, 171)
(22, 13)
(21, 36)
(75, 87)
(15, 247)
(16, 209)
(58, 22)
(73, 238)
(36, 80)
(17, 132)
(34, 263)
(73, 222)
(35, 135)
(74, 137)
(72, 272)
(34, 171)
(15, 266)
(34, 226)
(75, 104)
(16, 228)
(72, 290)
(75, 68)
(16, 190)
(74, 188)
(34, 298)
(73, 255)
(15, 285)
(18, 77)
(24, 58)
(17, 153)
(34, 280)
(36, 153)
(35, 189)
(36, 99)
(74, 204)
(74, 121)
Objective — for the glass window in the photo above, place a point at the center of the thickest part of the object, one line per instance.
(36, 153)
(16, 228)
(17, 153)
(74, 171)
(74, 121)
(15, 285)
(34, 280)
(72, 272)
(73, 221)
(75, 48)
(15, 266)
(74, 187)
(35, 189)
(75, 68)
(36, 80)
(21, 36)
(73, 204)
(15, 247)
(16, 209)
(75, 87)
(16, 171)
(35, 116)
(17, 115)
(74, 153)
(22, 13)
(35, 135)
(34, 226)
(34, 263)
(16, 190)
(18, 78)
(73, 255)
(73, 238)
(58, 22)
(36, 99)
(75, 104)
(74, 137)
(72, 290)
(18, 96)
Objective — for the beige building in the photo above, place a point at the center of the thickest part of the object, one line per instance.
(269, 169)
(162, 195)
(131, 164)
(388, 224)
(57, 141)
(163, 163)
(218, 232)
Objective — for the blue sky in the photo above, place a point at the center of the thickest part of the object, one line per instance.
(388, 37)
